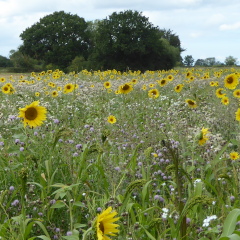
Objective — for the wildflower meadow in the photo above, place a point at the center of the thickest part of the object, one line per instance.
(100, 155)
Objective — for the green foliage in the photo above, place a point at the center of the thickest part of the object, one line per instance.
(231, 61)
(5, 62)
(57, 38)
(127, 40)
(188, 61)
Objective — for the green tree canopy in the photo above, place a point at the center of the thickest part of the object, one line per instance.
(128, 40)
(57, 38)
(231, 61)
(5, 62)
(188, 61)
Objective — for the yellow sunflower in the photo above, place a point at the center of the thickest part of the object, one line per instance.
(105, 224)
(134, 81)
(68, 88)
(37, 94)
(163, 82)
(112, 119)
(33, 115)
(225, 100)
(170, 77)
(178, 88)
(153, 93)
(125, 88)
(188, 74)
(54, 93)
(236, 93)
(219, 93)
(231, 81)
(107, 84)
(234, 155)
(6, 89)
(2, 79)
(191, 103)
(237, 113)
(203, 137)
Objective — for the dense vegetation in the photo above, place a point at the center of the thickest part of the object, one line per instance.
(161, 148)
(124, 40)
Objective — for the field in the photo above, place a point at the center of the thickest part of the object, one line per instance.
(110, 155)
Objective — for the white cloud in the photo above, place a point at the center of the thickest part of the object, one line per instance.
(233, 26)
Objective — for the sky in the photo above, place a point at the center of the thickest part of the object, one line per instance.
(206, 28)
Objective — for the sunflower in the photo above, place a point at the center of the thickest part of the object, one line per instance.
(231, 81)
(219, 93)
(170, 77)
(6, 89)
(105, 224)
(188, 74)
(112, 119)
(2, 79)
(68, 88)
(33, 115)
(163, 82)
(237, 113)
(153, 93)
(37, 94)
(191, 103)
(144, 87)
(225, 100)
(54, 93)
(125, 88)
(203, 137)
(107, 84)
(178, 88)
(234, 155)
(134, 81)
(236, 93)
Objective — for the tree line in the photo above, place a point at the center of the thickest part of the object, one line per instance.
(209, 62)
(123, 40)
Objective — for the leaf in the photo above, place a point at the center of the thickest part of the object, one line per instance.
(79, 204)
(58, 204)
(230, 222)
(145, 190)
(231, 237)
(150, 236)
(44, 237)
(79, 225)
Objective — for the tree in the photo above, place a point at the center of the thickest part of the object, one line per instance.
(188, 61)
(5, 62)
(22, 62)
(128, 40)
(200, 62)
(230, 61)
(57, 38)
(211, 61)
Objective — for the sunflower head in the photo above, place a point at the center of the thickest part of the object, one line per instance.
(104, 224)
(153, 93)
(125, 88)
(234, 155)
(107, 84)
(219, 93)
(112, 119)
(203, 136)
(231, 81)
(191, 103)
(33, 115)
(178, 88)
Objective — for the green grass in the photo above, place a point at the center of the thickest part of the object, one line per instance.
(148, 166)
